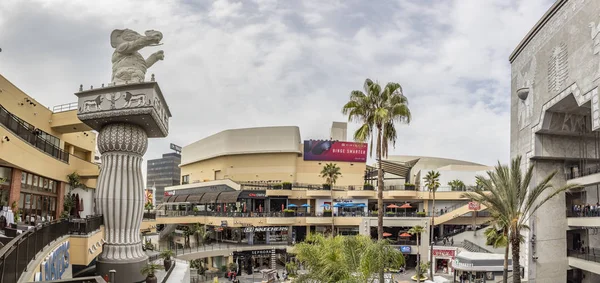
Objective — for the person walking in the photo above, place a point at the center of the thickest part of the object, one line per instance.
(452, 241)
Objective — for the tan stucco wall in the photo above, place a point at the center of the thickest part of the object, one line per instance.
(80, 245)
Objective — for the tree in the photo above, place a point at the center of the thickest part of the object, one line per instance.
(512, 203)
(200, 233)
(432, 182)
(378, 110)
(345, 258)
(417, 230)
(331, 172)
(497, 236)
(457, 185)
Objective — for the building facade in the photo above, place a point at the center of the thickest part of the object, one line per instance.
(163, 172)
(38, 149)
(555, 73)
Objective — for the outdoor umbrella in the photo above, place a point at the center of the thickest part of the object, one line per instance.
(393, 206)
(306, 205)
(77, 206)
(405, 235)
(386, 234)
(291, 205)
(361, 205)
(405, 206)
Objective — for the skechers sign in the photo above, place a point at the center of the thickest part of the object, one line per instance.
(335, 151)
(55, 264)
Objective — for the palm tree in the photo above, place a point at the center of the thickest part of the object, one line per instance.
(200, 233)
(510, 201)
(149, 270)
(457, 185)
(378, 110)
(417, 230)
(345, 258)
(432, 182)
(331, 172)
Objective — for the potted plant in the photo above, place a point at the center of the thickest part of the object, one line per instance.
(233, 267)
(166, 255)
(277, 187)
(327, 212)
(287, 185)
(368, 187)
(374, 212)
(326, 187)
(223, 270)
(149, 270)
(409, 187)
(421, 213)
(289, 213)
(390, 213)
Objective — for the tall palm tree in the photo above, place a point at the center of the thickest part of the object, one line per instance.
(345, 258)
(378, 110)
(511, 202)
(331, 172)
(432, 183)
(417, 230)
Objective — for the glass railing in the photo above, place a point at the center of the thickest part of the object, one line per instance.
(586, 254)
(29, 135)
(584, 212)
(590, 170)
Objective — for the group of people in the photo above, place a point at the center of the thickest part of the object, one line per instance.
(586, 210)
(446, 241)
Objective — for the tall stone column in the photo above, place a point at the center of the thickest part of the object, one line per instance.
(120, 198)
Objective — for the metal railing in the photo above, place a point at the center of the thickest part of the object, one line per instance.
(174, 213)
(587, 254)
(16, 255)
(583, 212)
(594, 169)
(30, 135)
(91, 279)
(84, 226)
(472, 247)
(65, 107)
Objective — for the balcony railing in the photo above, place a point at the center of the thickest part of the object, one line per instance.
(86, 225)
(28, 134)
(16, 255)
(181, 213)
(594, 169)
(586, 254)
(584, 212)
(65, 107)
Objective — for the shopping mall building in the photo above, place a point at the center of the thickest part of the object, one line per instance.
(260, 188)
(554, 126)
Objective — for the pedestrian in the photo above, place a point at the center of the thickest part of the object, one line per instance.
(452, 241)
(444, 241)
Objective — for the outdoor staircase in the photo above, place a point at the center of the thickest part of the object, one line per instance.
(169, 228)
(441, 219)
(472, 247)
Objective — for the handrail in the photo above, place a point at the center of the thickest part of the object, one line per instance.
(472, 247)
(65, 107)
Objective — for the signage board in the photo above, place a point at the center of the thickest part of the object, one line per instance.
(474, 205)
(175, 147)
(266, 229)
(445, 253)
(54, 264)
(169, 193)
(319, 150)
(252, 195)
(405, 249)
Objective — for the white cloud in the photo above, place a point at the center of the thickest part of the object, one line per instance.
(232, 64)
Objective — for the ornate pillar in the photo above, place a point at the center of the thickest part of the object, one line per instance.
(120, 196)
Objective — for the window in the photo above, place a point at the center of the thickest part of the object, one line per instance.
(185, 179)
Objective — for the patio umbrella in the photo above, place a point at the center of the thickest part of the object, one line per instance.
(325, 205)
(77, 206)
(291, 205)
(306, 205)
(394, 206)
(405, 206)
(405, 235)
(386, 234)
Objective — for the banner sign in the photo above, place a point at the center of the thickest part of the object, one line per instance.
(169, 193)
(446, 253)
(474, 205)
(315, 150)
(55, 264)
(175, 147)
(266, 229)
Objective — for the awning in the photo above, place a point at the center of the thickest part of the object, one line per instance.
(209, 197)
(180, 198)
(195, 198)
(228, 197)
(169, 199)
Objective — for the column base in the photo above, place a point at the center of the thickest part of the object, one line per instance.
(127, 271)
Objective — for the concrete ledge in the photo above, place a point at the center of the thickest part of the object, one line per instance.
(583, 221)
(593, 267)
(585, 180)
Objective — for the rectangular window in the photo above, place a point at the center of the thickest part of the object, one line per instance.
(185, 179)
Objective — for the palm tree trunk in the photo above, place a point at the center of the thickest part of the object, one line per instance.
(516, 246)
(431, 238)
(418, 261)
(332, 224)
(505, 271)
(379, 195)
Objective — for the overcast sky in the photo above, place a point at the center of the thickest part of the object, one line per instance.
(235, 64)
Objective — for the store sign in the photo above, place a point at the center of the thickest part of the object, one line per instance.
(457, 263)
(175, 147)
(405, 249)
(266, 229)
(169, 193)
(474, 205)
(254, 194)
(55, 264)
(327, 150)
(446, 253)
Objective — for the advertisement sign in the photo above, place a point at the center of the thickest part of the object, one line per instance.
(474, 205)
(444, 253)
(266, 229)
(252, 195)
(405, 249)
(55, 264)
(169, 193)
(315, 150)
(176, 148)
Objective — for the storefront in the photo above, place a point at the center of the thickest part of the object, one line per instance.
(38, 198)
(343, 207)
(250, 261)
(442, 259)
(479, 267)
(267, 235)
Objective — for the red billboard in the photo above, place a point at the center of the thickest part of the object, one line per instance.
(315, 150)
(474, 206)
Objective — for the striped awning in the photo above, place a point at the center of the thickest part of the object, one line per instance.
(228, 197)
(210, 197)
(180, 198)
(195, 198)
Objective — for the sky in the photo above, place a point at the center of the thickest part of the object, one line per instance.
(237, 64)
